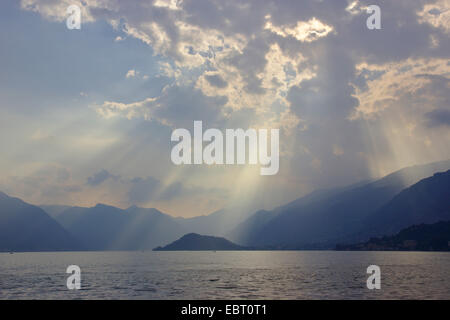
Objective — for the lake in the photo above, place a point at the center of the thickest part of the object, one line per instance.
(225, 275)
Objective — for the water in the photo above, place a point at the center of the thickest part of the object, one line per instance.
(225, 275)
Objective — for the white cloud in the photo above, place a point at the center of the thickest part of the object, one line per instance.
(396, 81)
(131, 73)
(111, 109)
(304, 31)
(170, 4)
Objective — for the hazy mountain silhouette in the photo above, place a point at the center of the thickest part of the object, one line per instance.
(427, 201)
(54, 210)
(328, 215)
(322, 218)
(251, 227)
(196, 242)
(24, 227)
(109, 228)
(218, 223)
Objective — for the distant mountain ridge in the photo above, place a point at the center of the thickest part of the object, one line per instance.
(218, 223)
(109, 228)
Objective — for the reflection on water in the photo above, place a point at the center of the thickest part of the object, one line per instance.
(225, 275)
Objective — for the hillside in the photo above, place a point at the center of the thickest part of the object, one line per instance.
(106, 227)
(109, 228)
(196, 242)
(425, 202)
(423, 237)
(329, 215)
(24, 227)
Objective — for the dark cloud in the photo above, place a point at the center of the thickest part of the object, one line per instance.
(438, 118)
(181, 105)
(216, 81)
(99, 177)
(251, 62)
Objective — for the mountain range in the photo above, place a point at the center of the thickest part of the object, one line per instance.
(326, 217)
(109, 228)
(321, 219)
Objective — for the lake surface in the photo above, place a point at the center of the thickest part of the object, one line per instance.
(225, 275)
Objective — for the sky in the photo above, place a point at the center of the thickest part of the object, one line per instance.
(86, 115)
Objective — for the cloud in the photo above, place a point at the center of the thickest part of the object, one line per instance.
(56, 10)
(100, 177)
(303, 31)
(176, 106)
(424, 79)
(216, 81)
(46, 184)
(145, 190)
(437, 14)
(131, 73)
(438, 118)
(350, 102)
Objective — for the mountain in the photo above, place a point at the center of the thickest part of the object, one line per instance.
(250, 228)
(423, 237)
(153, 227)
(427, 201)
(218, 223)
(24, 227)
(196, 242)
(54, 211)
(109, 228)
(318, 220)
(327, 216)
